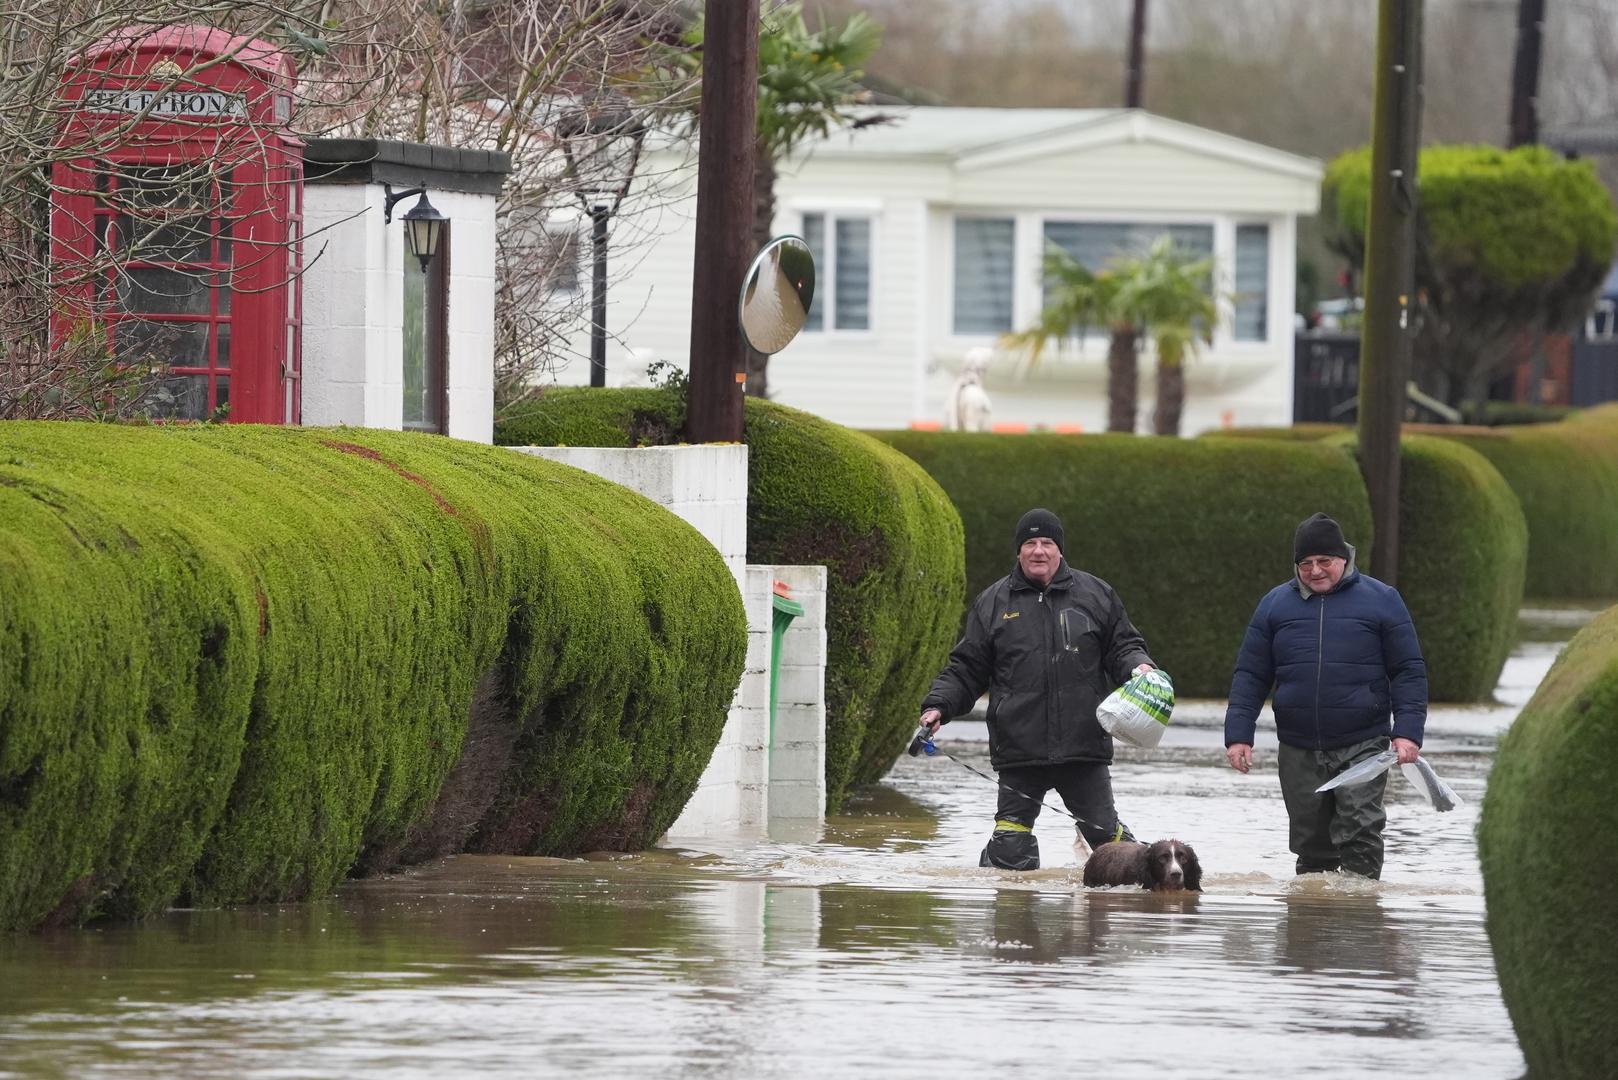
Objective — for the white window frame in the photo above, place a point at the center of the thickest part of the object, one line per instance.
(826, 276)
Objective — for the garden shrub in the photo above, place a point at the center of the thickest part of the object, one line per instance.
(1566, 477)
(1191, 532)
(235, 662)
(1307, 432)
(1463, 548)
(819, 493)
(1547, 900)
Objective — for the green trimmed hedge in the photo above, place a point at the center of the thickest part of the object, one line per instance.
(1566, 477)
(1191, 532)
(237, 662)
(1297, 432)
(819, 493)
(1463, 551)
(1564, 474)
(1548, 901)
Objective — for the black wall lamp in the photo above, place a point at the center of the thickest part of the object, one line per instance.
(424, 225)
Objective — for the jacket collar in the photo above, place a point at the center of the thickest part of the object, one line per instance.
(1063, 578)
(1351, 574)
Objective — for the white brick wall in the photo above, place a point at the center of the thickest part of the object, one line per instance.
(798, 735)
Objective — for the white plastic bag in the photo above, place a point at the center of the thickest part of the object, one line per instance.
(1439, 795)
(1138, 711)
(1359, 773)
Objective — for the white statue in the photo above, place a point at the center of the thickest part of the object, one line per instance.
(968, 406)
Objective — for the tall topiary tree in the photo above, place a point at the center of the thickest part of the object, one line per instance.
(1507, 242)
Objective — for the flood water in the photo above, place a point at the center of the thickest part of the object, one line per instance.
(878, 948)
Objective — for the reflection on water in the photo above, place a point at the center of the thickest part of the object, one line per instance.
(878, 949)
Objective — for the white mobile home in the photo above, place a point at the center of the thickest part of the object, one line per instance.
(929, 231)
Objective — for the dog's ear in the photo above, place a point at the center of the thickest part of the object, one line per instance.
(1193, 869)
(1151, 866)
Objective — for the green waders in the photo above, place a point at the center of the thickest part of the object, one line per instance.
(1339, 829)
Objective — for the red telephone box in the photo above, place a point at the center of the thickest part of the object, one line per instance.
(176, 217)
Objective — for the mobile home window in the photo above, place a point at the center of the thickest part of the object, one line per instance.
(843, 291)
(1094, 244)
(984, 274)
(1252, 282)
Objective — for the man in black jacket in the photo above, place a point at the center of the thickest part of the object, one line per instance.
(1048, 643)
(1340, 653)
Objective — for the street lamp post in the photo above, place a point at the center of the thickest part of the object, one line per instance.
(599, 213)
(601, 142)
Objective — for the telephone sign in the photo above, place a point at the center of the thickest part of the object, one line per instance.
(171, 103)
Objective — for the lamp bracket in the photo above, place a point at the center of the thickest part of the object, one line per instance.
(394, 196)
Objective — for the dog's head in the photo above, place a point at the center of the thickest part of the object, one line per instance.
(1172, 866)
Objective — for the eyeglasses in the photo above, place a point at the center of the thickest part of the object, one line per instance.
(1323, 563)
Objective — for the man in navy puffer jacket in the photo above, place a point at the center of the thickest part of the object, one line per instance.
(1340, 652)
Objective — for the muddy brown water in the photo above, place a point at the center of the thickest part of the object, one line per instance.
(877, 948)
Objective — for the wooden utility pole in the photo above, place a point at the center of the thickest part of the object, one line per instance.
(1389, 270)
(726, 126)
(1135, 77)
(1525, 73)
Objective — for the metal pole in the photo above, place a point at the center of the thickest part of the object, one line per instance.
(1135, 76)
(1524, 128)
(598, 294)
(1389, 271)
(724, 218)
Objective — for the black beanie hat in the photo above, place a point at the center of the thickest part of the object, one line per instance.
(1039, 522)
(1318, 535)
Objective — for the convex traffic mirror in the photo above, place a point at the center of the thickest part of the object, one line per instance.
(776, 294)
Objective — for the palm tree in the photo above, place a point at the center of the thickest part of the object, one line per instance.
(1169, 294)
(1161, 296)
(807, 80)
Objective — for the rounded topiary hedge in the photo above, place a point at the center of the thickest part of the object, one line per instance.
(1566, 477)
(1191, 532)
(1306, 432)
(1548, 900)
(1564, 474)
(237, 661)
(821, 494)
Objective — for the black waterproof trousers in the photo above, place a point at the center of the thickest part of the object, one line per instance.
(1086, 791)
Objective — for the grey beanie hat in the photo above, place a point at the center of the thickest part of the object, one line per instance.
(1039, 522)
(1318, 535)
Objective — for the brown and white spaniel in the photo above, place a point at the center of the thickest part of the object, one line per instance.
(1164, 866)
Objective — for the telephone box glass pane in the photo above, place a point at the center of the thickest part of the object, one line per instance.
(179, 397)
(147, 241)
(223, 359)
(159, 290)
(172, 343)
